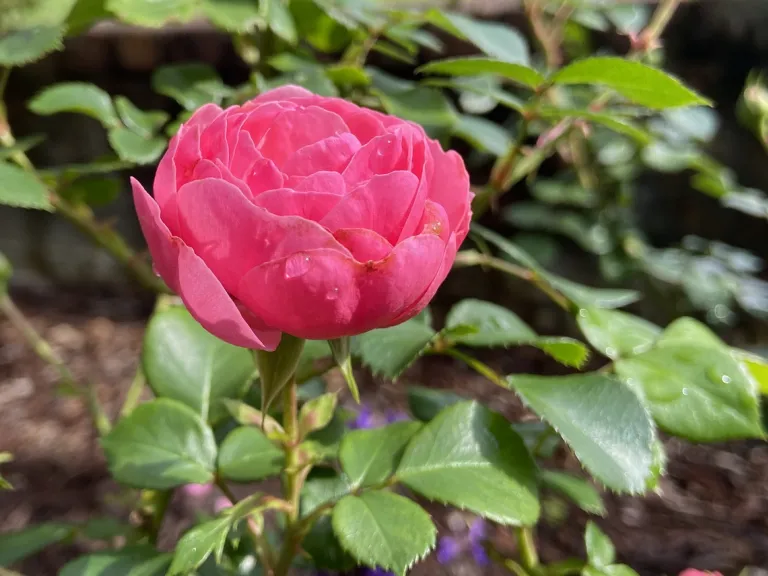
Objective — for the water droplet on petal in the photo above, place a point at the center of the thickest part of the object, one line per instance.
(333, 294)
(297, 265)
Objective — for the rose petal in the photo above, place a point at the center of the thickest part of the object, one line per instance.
(259, 120)
(263, 175)
(213, 308)
(380, 204)
(188, 275)
(322, 294)
(295, 129)
(204, 115)
(365, 126)
(286, 202)
(365, 245)
(213, 139)
(286, 92)
(205, 169)
(449, 187)
(449, 255)
(434, 220)
(156, 233)
(244, 154)
(328, 182)
(187, 155)
(232, 235)
(331, 154)
(164, 185)
(381, 155)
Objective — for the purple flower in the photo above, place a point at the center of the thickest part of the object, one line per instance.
(479, 554)
(364, 420)
(396, 416)
(478, 531)
(448, 549)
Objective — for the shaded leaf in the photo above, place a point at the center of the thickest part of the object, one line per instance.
(600, 550)
(579, 490)
(483, 134)
(426, 403)
(21, 189)
(76, 97)
(160, 445)
(21, 47)
(478, 66)
(134, 147)
(130, 561)
(144, 123)
(15, 546)
(185, 362)
(198, 543)
(191, 85)
(389, 351)
(247, 455)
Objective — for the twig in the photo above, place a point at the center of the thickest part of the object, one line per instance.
(44, 351)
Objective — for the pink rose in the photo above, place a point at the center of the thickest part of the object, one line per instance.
(302, 214)
(694, 572)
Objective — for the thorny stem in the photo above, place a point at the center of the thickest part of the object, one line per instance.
(45, 352)
(294, 478)
(473, 258)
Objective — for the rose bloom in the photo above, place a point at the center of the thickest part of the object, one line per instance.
(302, 214)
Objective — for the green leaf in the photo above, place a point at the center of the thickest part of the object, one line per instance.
(84, 15)
(608, 119)
(496, 40)
(426, 403)
(199, 543)
(131, 561)
(15, 546)
(495, 325)
(76, 97)
(21, 189)
(133, 147)
(107, 528)
(370, 457)
(92, 190)
(276, 368)
(232, 15)
(247, 455)
(612, 570)
(191, 85)
(426, 106)
(151, 13)
(590, 297)
(600, 550)
(160, 445)
(579, 490)
(185, 362)
(689, 331)
(21, 47)
(699, 392)
(604, 423)
(478, 66)
(615, 334)
(246, 415)
(317, 413)
(143, 123)
(470, 457)
(381, 529)
(637, 82)
(21, 145)
(279, 20)
(350, 76)
(757, 368)
(483, 134)
(323, 487)
(389, 351)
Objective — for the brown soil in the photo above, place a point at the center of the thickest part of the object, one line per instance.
(712, 511)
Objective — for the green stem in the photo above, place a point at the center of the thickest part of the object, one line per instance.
(133, 395)
(565, 568)
(659, 21)
(44, 351)
(479, 367)
(473, 258)
(528, 554)
(159, 506)
(294, 478)
(260, 542)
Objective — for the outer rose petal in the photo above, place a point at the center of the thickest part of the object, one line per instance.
(186, 155)
(328, 182)
(381, 155)
(209, 304)
(164, 256)
(232, 235)
(450, 187)
(204, 115)
(263, 175)
(188, 275)
(322, 294)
